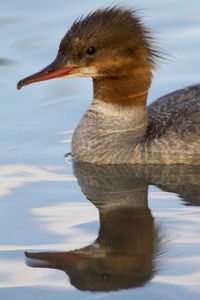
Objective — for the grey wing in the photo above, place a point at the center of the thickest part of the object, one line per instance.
(169, 100)
(176, 113)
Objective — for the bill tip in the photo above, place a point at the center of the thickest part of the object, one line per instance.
(19, 85)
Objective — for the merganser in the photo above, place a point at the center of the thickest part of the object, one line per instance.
(116, 49)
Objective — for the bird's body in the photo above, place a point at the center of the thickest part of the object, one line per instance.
(167, 132)
(114, 48)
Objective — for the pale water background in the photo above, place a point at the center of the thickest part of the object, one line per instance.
(41, 205)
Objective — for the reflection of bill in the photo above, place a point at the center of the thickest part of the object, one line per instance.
(124, 254)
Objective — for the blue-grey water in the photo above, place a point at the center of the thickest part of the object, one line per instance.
(79, 231)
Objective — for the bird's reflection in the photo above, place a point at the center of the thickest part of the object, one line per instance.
(129, 241)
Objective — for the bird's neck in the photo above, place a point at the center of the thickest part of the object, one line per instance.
(127, 90)
(115, 123)
(122, 101)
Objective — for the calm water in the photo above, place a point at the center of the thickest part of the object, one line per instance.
(80, 231)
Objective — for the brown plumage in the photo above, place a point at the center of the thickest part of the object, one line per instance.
(111, 29)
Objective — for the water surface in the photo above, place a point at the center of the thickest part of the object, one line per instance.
(78, 231)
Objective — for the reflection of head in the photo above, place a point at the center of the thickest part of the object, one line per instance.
(123, 255)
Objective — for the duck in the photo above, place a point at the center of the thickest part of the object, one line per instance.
(117, 50)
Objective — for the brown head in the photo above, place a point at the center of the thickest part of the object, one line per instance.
(111, 42)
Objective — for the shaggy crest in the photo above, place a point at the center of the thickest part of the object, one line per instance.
(113, 26)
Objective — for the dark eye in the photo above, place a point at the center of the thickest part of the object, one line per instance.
(91, 50)
(105, 276)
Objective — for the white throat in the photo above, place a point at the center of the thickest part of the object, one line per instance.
(117, 116)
